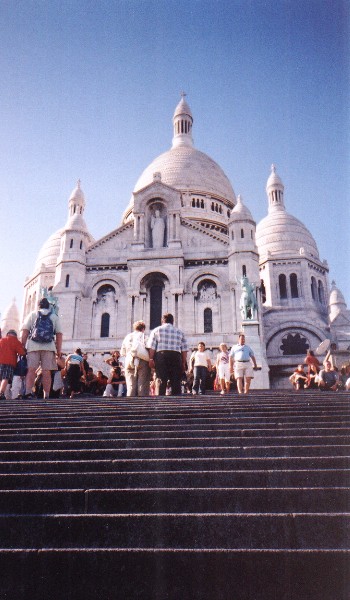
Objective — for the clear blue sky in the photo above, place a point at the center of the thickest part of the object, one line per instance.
(88, 91)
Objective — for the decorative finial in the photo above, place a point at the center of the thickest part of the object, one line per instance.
(78, 183)
(273, 168)
(183, 94)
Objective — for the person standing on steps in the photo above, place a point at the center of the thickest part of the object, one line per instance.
(137, 370)
(201, 365)
(168, 352)
(42, 336)
(241, 359)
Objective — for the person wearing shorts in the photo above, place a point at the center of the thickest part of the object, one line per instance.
(223, 368)
(241, 359)
(40, 353)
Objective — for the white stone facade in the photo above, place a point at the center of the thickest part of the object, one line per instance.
(190, 264)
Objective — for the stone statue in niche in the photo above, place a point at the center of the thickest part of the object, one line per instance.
(207, 292)
(248, 303)
(158, 229)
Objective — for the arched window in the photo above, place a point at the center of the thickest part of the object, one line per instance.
(263, 291)
(313, 288)
(67, 281)
(71, 244)
(321, 292)
(202, 203)
(156, 294)
(208, 320)
(242, 233)
(294, 343)
(282, 283)
(232, 235)
(193, 203)
(293, 279)
(81, 245)
(105, 319)
(244, 271)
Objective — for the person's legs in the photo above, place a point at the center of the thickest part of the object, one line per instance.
(46, 381)
(222, 385)
(175, 373)
(143, 378)
(203, 372)
(131, 389)
(240, 385)
(161, 364)
(195, 386)
(247, 381)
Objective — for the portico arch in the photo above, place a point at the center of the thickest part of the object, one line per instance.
(155, 297)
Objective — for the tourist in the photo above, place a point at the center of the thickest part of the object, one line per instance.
(90, 382)
(298, 378)
(328, 378)
(331, 355)
(115, 383)
(137, 369)
(75, 371)
(313, 367)
(200, 364)
(223, 368)
(113, 361)
(42, 336)
(168, 351)
(10, 348)
(101, 382)
(241, 359)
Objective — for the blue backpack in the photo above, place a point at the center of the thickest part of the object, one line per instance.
(42, 330)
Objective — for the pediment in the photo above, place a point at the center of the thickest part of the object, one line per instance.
(202, 231)
(114, 244)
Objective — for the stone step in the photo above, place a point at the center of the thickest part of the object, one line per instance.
(175, 500)
(178, 531)
(208, 443)
(190, 478)
(158, 574)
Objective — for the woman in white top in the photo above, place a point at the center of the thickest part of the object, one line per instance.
(201, 365)
(223, 368)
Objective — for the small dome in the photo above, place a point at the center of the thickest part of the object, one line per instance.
(274, 179)
(10, 318)
(77, 194)
(50, 250)
(182, 109)
(336, 297)
(280, 232)
(241, 212)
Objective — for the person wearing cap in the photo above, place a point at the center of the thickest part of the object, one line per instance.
(10, 348)
(42, 354)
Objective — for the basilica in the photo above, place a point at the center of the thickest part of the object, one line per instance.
(187, 245)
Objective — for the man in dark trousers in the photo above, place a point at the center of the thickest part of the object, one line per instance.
(168, 352)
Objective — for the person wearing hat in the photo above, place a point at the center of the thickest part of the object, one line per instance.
(42, 336)
(10, 348)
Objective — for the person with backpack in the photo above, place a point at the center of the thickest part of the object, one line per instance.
(42, 336)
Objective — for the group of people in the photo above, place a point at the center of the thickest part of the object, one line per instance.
(157, 365)
(325, 377)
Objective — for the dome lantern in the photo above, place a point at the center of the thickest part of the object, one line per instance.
(275, 191)
(182, 121)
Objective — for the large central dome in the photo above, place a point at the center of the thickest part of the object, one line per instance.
(185, 168)
(188, 169)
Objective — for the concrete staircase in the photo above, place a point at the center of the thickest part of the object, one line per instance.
(239, 498)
